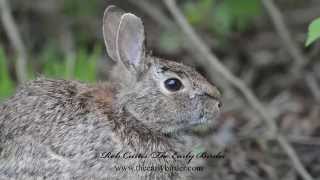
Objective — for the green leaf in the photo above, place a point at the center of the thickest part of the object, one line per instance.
(314, 32)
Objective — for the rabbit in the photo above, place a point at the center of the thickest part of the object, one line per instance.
(65, 129)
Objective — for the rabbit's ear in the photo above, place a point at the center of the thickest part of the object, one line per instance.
(111, 22)
(130, 42)
(124, 38)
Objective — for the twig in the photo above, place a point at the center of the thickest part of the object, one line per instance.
(283, 32)
(313, 85)
(212, 61)
(305, 140)
(154, 12)
(15, 39)
(294, 157)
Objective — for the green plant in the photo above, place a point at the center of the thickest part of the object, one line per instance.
(243, 11)
(6, 83)
(80, 8)
(197, 11)
(85, 68)
(314, 32)
(53, 63)
(55, 66)
(222, 17)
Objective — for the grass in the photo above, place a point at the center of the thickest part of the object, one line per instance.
(6, 83)
(53, 66)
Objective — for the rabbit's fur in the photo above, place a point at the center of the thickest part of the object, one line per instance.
(58, 129)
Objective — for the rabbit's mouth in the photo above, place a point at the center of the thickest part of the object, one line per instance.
(204, 121)
(187, 126)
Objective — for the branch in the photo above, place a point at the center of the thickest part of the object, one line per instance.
(212, 61)
(313, 85)
(305, 140)
(15, 39)
(154, 12)
(284, 33)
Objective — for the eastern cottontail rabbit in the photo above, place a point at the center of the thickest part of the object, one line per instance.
(58, 129)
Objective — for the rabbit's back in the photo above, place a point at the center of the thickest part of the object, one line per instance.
(50, 128)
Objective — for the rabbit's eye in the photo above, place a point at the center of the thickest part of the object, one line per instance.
(173, 84)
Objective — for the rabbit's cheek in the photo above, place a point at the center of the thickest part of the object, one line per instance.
(204, 110)
(195, 114)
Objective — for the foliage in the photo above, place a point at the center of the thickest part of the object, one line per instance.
(243, 11)
(6, 83)
(54, 66)
(222, 17)
(79, 9)
(84, 67)
(314, 32)
(82, 15)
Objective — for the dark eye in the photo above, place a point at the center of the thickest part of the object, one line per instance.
(173, 84)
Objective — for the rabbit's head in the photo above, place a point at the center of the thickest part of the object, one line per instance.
(163, 95)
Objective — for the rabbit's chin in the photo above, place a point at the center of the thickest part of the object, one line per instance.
(201, 124)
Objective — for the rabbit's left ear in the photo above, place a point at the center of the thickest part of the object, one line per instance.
(130, 42)
(124, 38)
